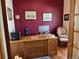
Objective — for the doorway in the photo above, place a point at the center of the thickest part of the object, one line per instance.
(12, 30)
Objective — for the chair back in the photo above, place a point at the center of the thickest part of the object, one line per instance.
(61, 31)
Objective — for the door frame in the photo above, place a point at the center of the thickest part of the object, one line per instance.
(7, 39)
(1, 48)
(71, 28)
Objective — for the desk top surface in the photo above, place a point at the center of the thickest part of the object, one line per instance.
(35, 38)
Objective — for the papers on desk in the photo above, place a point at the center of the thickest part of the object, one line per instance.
(43, 36)
(17, 57)
(51, 36)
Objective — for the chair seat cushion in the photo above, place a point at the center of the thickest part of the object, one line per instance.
(63, 36)
(63, 39)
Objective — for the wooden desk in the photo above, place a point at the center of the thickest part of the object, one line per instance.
(34, 46)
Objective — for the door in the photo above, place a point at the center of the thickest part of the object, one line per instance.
(76, 32)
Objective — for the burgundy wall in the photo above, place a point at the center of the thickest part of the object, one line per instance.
(41, 6)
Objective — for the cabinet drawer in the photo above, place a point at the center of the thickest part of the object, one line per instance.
(37, 43)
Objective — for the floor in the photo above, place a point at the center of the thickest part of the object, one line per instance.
(62, 54)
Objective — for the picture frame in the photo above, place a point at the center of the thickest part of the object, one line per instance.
(47, 16)
(9, 12)
(66, 17)
(30, 15)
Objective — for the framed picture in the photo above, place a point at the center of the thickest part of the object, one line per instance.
(66, 17)
(9, 12)
(47, 16)
(30, 15)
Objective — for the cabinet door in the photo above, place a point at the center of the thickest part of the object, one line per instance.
(37, 48)
(52, 46)
(16, 49)
(26, 50)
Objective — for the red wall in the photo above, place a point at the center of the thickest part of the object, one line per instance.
(41, 6)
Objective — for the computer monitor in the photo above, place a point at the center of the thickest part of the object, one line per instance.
(44, 28)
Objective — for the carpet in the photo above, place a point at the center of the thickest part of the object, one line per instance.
(45, 57)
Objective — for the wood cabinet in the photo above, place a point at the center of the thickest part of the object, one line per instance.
(34, 48)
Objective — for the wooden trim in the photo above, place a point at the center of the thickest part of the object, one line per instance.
(76, 31)
(71, 28)
(3, 3)
(76, 14)
(76, 47)
(1, 49)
